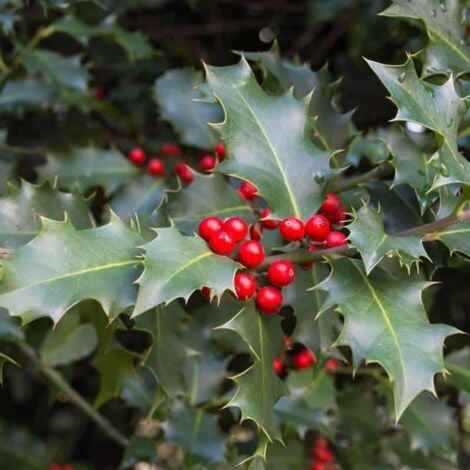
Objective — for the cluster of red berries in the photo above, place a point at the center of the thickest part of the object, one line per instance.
(58, 466)
(299, 359)
(156, 166)
(321, 454)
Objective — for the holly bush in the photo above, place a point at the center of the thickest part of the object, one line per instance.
(218, 266)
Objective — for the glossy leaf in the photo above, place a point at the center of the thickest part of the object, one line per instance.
(21, 208)
(367, 234)
(175, 266)
(458, 365)
(285, 166)
(100, 264)
(385, 322)
(258, 387)
(177, 94)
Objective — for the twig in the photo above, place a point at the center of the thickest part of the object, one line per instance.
(384, 169)
(56, 378)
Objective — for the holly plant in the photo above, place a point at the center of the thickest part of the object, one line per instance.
(214, 266)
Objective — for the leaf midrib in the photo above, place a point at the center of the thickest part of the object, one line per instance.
(273, 150)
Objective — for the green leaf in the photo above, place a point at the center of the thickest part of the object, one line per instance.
(332, 129)
(197, 432)
(86, 168)
(430, 425)
(62, 267)
(4, 359)
(141, 391)
(68, 342)
(134, 44)
(289, 455)
(140, 195)
(175, 266)
(456, 237)
(368, 235)
(285, 166)
(7, 174)
(168, 346)
(385, 322)
(258, 387)
(21, 208)
(447, 51)
(436, 107)
(457, 364)
(317, 333)
(10, 330)
(25, 92)
(175, 92)
(207, 195)
(140, 449)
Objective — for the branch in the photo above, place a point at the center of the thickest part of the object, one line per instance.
(56, 378)
(428, 230)
(337, 186)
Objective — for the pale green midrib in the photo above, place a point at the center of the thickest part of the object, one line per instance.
(263, 371)
(273, 150)
(102, 267)
(197, 426)
(383, 311)
(216, 212)
(449, 43)
(453, 232)
(458, 368)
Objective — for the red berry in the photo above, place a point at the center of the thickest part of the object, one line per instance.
(339, 216)
(219, 149)
(309, 264)
(98, 93)
(331, 365)
(245, 286)
(255, 232)
(156, 167)
(322, 455)
(331, 204)
(335, 238)
(304, 359)
(269, 300)
(170, 150)
(137, 156)
(278, 365)
(251, 253)
(237, 227)
(247, 190)
(184, 172)
(206, 292)
(281, 273)
(321, 442)
(317, 227)
(291, 229)
(222, 243)
(318, 466)
(209, 226)
(269, 224)
(207, 163)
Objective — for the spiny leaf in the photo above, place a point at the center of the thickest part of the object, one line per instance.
(7, 173)
(332, 128)
(456, 237)
(25, 92)
(385, 322)
(285, 166)
(176, 266)
(208, 195)
(317, 333)
(447, 51)
(62, 267)
(368, 235)
(430, 425)
(457, 363)
(85, 168)
(176, 92)
(258, 387)
(437, 107)
(21, 207)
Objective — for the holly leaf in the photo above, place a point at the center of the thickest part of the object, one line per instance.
(447, 51)
(139, 195)
(7, 174)
(168, 346)
(175, 266)
(457, 364)
(21, 208)
(4, 359)
(258, 387)
(62, 267)
(288, 169)
(332, 128)
(208, 195)
(10, 330)
(368, 235)
(68, 342)
(176, 94)
(456, 237)
(436, 107)
(25, 92)
(86, 168)
(385, 322)
(317, 333)
(197, 432)
(430, 425)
